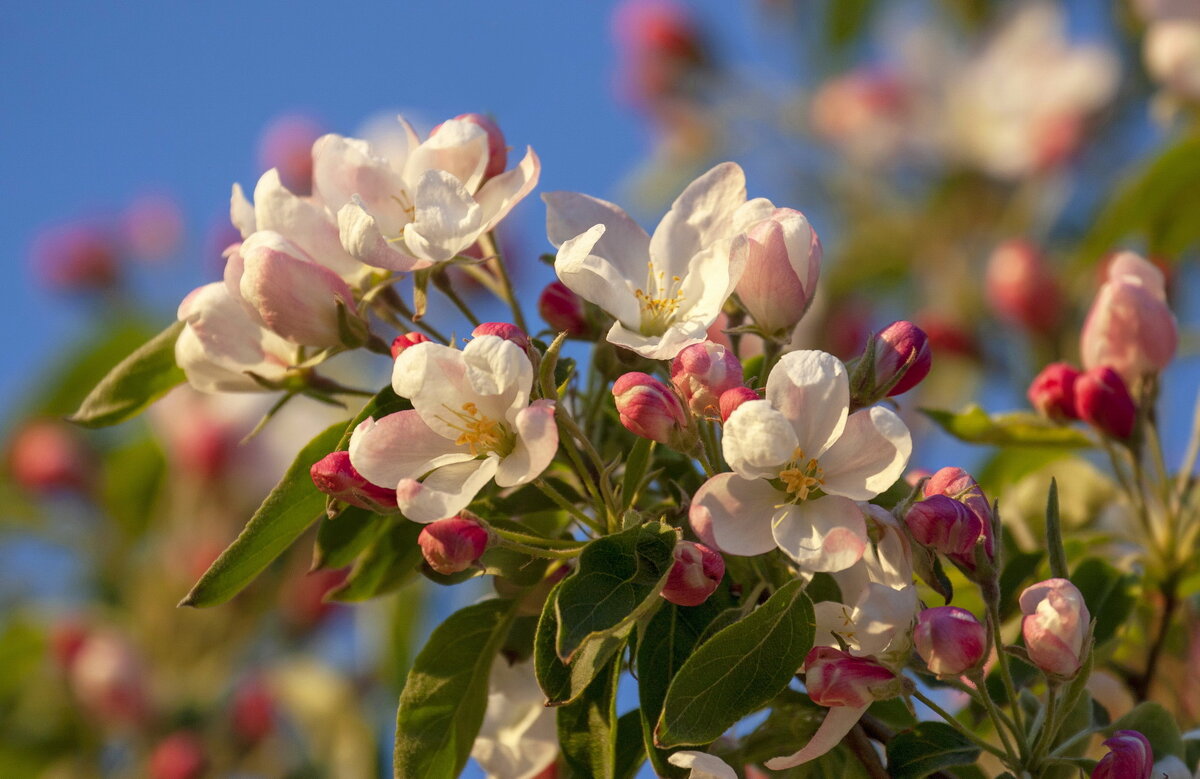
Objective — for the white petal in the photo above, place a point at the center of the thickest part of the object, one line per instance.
(537, 442)
(758, 440)
(881, 616)
(518, 738)
(702, 214)
(499, 373)
(307, 225)
(837, 723)
(869, 456)
(205, 373)
(595, 279)
(570, 213)
(678, 336)
(826, 534)
(446, 491)
(458, 148)
(446, 218)
(361, 238)
(344, 167)
(702, 764)
(812, 390)
(500, 193)
(738, 511)
(400, 446)
(241, 212)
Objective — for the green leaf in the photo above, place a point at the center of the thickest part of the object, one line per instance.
(138, 380)
(928, 748)
(292, 506)
(1054, 539)
(662, 648)
(617, 583)
(1019, 428)
(389, 562)
(631, 752)
(635, 470)
(738, 670)
(562, 683)
(340, 539)
(1108, 594)
(1018, 568)
(587, 728)
(1157, 725)
(130, 483)
(445, 695)
(846, 19)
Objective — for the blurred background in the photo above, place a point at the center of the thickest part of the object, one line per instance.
(968, 165)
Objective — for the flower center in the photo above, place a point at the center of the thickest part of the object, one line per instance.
(802, 476)
(659, 301)
(480, 433)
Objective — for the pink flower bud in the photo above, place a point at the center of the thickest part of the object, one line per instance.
(286, 145)
(1130, 328)
(837, 678)
(1055, 625)
(563, 310)
(950, 640)
(946, 525)
(178, 756)
(695, 574)
(1103, 401)
(334, 475)
(1130, 756)
(48, 455)
(732, 398)
(1022, 289)
(497, 148)
(153, 227)
(78, 257)
(454, 544)
(1052, 392)
(649, 408)
(958, 484)
(895, 346)
(661, 47)
(782, 258)
(702, 372)
(253, 712)
(405, 340)
(503, 330)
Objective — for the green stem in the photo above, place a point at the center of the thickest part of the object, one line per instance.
(1049, 727)
(565, 504)
(557, 544)
(443, 284)
(394, 304)
(509, 296)
(1002, 722)
(963, 729)
(537, 551)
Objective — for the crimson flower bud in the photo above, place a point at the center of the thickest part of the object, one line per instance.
(702, 372)
(1130, 757)
(79, 257)
(649, 408)
(950, 640)
(1130, 328)
(48, 455)
(944, 524)
(958, 484)
(503, 330)
(1104, 402)
(253, 712)
(334, 475)
(405, 340)
(1021, 287)
(837, 678)
(731, 399)
(895, 346)
(178, 756)
(1055, 625)
(1052, 391)
(152, 227)
(694, 575)
(563, 310)
(454, 544)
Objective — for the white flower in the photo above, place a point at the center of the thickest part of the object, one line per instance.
(702, 765)
(471, 422)
(800, 462)
(666, 290)
(221, 344)
(518, 738)
(424, 203)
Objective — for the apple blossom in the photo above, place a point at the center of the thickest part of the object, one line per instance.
(944, 524)
(1052, 392)
(505, 330)
(1130, 756)
(334, 475)
(453, 544)
(800, 462)
(649, 409)
(1103, 401)
(702, 765)
(1129, 327)
(694, 575)
(1021, 288)
(1171, 51)
(471, 422)
(1055, 625)
(423, 204)
(497, 150)
(663, 290)
(702, 372)
(222, 345)
(958, 484)
(518, 737)
(782, 261)
(950, 640)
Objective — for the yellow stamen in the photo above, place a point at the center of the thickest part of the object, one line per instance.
(659, 301)
(802, 476)
(479, 432)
